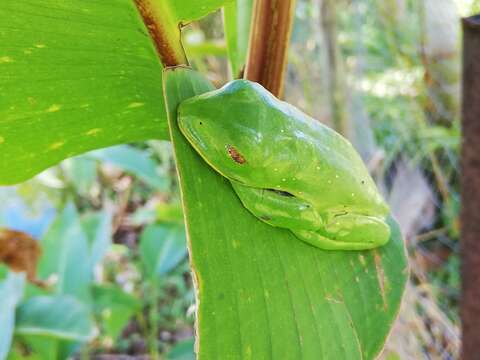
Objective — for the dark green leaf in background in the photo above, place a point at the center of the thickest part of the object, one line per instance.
(98, 229)
(134, 161)
(60, 317)
(237, 18)
(162, 247)
(114, 308)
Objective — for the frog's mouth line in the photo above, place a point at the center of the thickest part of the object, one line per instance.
(199, 148)
(280, 192)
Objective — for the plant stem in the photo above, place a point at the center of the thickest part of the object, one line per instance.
(153, 320)
(164, 31)
(269, 38)
(470, 214)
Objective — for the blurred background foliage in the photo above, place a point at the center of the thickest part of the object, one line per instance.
(385, 73)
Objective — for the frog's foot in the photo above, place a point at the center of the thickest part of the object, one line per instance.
(348, 232)
(278, 208)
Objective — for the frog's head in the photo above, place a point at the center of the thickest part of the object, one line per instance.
(228, 128)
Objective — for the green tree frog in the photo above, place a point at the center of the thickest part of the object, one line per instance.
(288, 169)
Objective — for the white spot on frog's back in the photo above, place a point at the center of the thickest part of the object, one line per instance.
(5, 59)
(134, 105)
(54, 108)
(56, 145)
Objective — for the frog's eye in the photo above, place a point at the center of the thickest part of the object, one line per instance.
(235, 155)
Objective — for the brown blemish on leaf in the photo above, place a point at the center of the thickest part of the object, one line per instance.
(168, 48)
(20, 253)
(380, 278)
(235, 155)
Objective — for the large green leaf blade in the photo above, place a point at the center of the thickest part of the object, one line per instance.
(263, 294)
(74, 76)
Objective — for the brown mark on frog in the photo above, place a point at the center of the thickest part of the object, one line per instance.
(235, 155)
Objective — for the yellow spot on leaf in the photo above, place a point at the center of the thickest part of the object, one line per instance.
(2, 140)
(362, 260)
(5, 60)
(135, 105)
(54, 108)
(93, 132)
(40, 46)
(57, 145)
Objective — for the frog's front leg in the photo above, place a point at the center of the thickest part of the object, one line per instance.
(278, 208)
(348, 232)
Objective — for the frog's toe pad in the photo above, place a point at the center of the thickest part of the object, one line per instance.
(322, 242)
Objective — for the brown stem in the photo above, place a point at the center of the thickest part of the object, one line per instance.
(164, 31)
(267, 57)
(470, 213)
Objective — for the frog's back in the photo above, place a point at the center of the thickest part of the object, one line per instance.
(327, 165)
(302, 156)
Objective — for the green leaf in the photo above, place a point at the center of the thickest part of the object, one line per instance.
(75, 75)
(162, 247)
(60, 317)
(114, 308)
(134, 161)
(11, 292)
(189, 10)
(182, 350)
(237, 17)
(66, 255)
(81, 172)
(98, 228)
(264, 294)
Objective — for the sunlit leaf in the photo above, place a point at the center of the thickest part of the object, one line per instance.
(74, 76)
